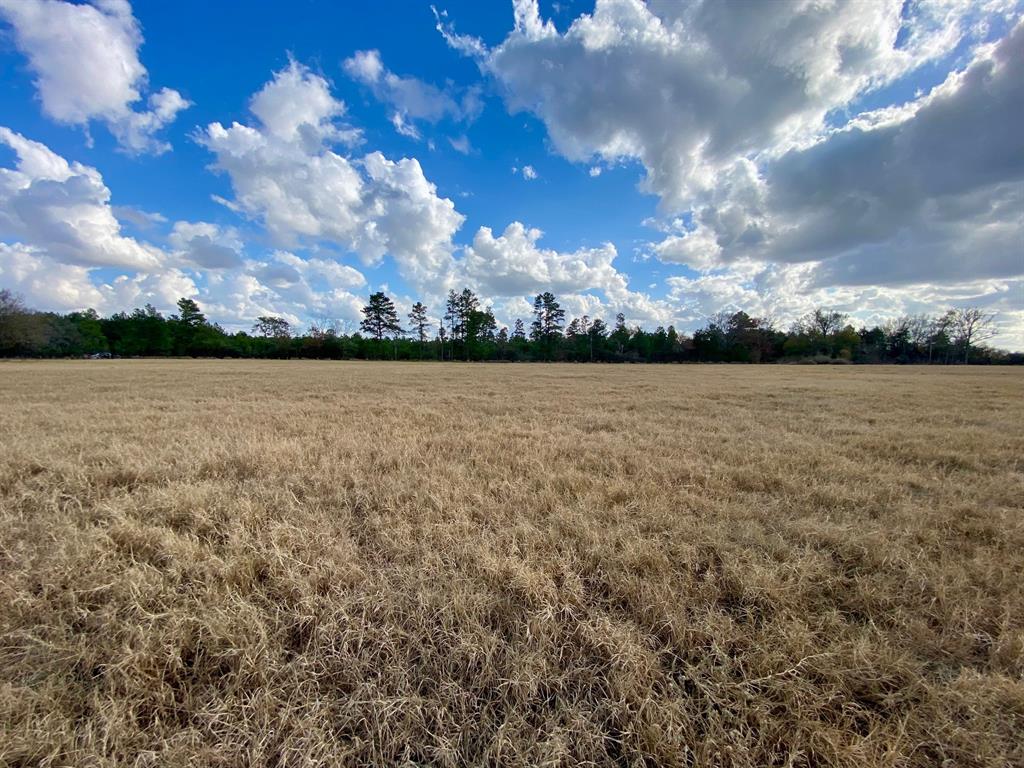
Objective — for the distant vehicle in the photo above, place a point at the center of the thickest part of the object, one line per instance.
(99, 356)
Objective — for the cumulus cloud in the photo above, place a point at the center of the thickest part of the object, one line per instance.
(67, 242)
(410, 98)
(686, 88)
(285, 174)
(86, 61)
(512, 264)
(49, 284)
(934, 197)
(160, 288)
(63, 210)
(696, 248)
(733, 117)
(284, 285)
(205, 245)
(509, 266)
(44, 282)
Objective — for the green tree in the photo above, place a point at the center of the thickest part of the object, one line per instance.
(90, 332)
(189, 313)
(272, 327)
(597, 333)
(548, 319)
(818, 328)
(276, 335)
(380, 318)
(188, 328)
(22, 331)
(472, 322)
(620, 334)
(452, 316)
(419, 323)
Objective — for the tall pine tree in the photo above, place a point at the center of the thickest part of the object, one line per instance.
(380, 317)
(548, 319)
(419, 323)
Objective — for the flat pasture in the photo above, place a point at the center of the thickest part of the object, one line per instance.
(292, 563)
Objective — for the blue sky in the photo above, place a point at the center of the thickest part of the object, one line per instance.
(682, 158)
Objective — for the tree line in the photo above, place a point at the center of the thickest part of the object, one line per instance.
(468, 331)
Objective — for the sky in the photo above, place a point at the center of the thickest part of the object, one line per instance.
(666, 160)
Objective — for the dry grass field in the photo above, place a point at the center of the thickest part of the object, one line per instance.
(299, 563)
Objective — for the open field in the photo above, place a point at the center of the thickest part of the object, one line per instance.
(298, 563)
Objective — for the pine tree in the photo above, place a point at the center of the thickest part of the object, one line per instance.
(547, 323)
(597, 333)
(519, 331)
(620, 336)
(380, 317)
(189, 328)
(420, 322)
(189, 313)
(451, 314)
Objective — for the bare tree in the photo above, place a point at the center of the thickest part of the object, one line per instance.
(971, 326)
(826, 323)
(821, 322)
(919, 328)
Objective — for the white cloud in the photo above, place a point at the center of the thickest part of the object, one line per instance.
(365, 66)
(205, 245)
(404, 128)
(285, 174)
(160, 288)
(731, 114)
(48, 284)
(506, 267)
(687, 89)
(512, 264)
(877, 206)
(870, 204)
(595, 171)
(412, 99)
(726, 111)
(139, 218)
(461, 145)
(60, 212)
(297, 107)
(464, 44)
(284, 285)
(86, 61)
(529, 173)
(697, 249)
(44, 282)
(63, 210)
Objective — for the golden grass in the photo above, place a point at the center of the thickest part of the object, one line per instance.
(299, 563)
